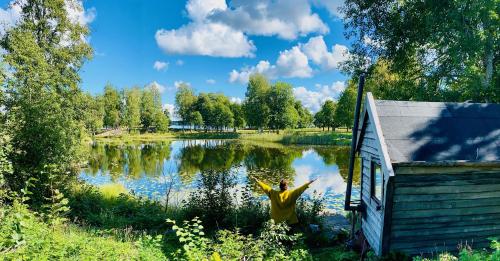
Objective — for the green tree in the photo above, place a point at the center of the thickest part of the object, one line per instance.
(223, 116)
(305, 118)
(328, 113)
(281, 104)
(319, 120)
(92, 112)
(152, 115)
(44, 52)
(450, 49)
(256, 109)
(132, 113)
(205, 106)
(112, 106)
(197, 119)
(184, 100)
(344, 113)
(238, 115)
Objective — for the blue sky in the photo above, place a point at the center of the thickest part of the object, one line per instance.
(214, 45)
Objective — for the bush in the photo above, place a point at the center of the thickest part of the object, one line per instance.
(92, 207)
(24, 236)
(273, 243)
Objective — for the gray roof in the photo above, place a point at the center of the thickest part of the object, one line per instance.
(437, 131)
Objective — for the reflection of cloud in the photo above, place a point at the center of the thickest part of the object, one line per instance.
(308, 152)
(330, 182)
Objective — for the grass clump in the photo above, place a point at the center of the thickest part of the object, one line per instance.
(24, 235)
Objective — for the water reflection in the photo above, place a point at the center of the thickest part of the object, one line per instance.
(177, 167)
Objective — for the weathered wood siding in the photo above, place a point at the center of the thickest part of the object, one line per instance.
(437, 208)
(372, 218)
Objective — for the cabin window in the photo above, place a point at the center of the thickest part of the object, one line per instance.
(376, 182)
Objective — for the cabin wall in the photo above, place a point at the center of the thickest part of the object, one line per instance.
(437, 208)
(373, 214)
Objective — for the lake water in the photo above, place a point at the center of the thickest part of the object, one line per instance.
(175, 168)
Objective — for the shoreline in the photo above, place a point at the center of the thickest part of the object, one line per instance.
(286, 137)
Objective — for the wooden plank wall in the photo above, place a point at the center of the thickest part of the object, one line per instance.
(437, 208)
(372, 218)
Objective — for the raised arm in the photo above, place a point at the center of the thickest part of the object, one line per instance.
(266, 188)
(298, 191)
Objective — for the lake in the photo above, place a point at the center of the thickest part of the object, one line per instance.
(170, 170)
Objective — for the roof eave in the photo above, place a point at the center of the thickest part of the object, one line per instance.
(448, 163)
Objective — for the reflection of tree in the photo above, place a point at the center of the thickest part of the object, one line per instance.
(97, 158)
(209, 156)
(340, 155)
(115, 161)
(134, 161)
(153, 156)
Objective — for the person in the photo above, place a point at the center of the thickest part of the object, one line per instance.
(283, 201)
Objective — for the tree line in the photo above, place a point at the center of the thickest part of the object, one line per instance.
(137, 109)
(266, 106)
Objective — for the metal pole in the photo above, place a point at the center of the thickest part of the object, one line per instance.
(353, 143)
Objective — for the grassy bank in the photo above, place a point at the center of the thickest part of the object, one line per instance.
(309, 136)
(107, 224)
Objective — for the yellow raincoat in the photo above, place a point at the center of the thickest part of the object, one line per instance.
(283, 202)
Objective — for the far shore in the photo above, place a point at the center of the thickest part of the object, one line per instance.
(306, 136)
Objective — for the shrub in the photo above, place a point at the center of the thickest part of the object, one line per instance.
(272, 244)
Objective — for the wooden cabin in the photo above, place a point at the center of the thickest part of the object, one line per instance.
(430, 175)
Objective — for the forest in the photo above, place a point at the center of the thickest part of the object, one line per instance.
(407, 50)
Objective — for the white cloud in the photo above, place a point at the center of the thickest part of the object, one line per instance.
(295, 61)
(209, 39)
(160, 66)
(219, 30)
(263, 67)
(317, 51)
(9, 17)
(198, 10)
(74, 8)
(179, 62)
(237, 100)
(157, 86)
(171, 111)
(210, 81)
(177, 84)
(314, 99)
(77, 14)
(284, 18)
(290, 63)
(333, 6)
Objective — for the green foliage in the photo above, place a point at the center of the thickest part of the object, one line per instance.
(281, 102)
(184, 100)
(152, 115)
(326, 116)
(344, 112)
(91, 111)
(238, 115)
(108, 211)
(256, 107)
(44, 52)
(273, 243)
(57, 208)
(437, 50)
(132, 114)
(305, 118)
(24, 236)
(112, 106)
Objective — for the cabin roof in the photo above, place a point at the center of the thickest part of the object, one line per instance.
(439, 131)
